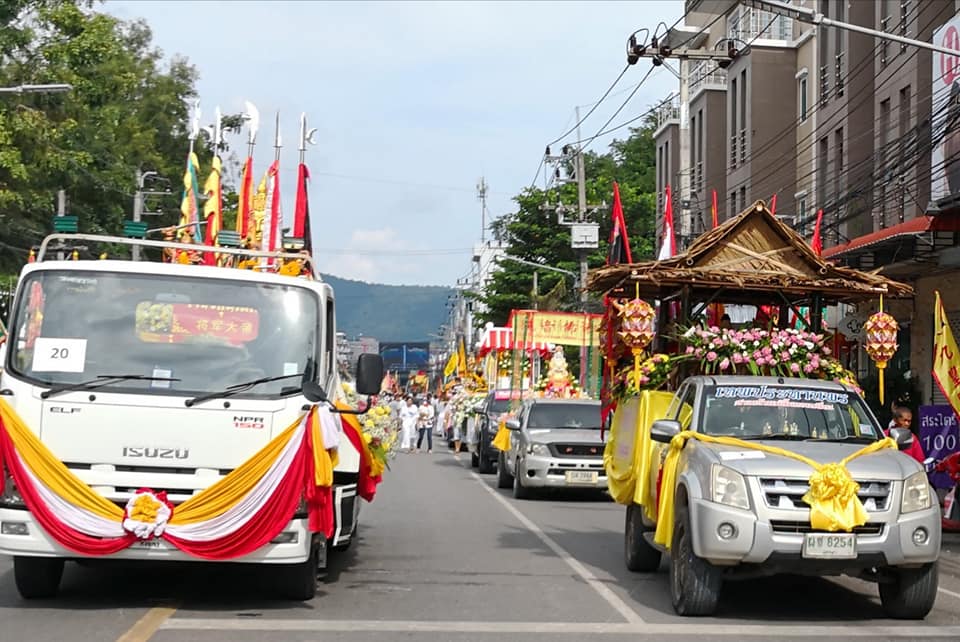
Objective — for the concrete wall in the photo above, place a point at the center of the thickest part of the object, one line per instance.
(711, 106)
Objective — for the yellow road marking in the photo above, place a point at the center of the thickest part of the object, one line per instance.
(147, 626)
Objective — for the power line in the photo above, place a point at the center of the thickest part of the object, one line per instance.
(588, 141)
(592, 109)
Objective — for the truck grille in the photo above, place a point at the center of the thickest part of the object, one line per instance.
(576, 450)
(788, 493)
(781, 526)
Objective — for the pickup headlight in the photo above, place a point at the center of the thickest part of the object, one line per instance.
(728, 487)
(539, 449)
(916, 493)
(10, 498)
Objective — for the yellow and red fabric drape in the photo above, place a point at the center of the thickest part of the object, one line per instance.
(241, 512)
(371, 468)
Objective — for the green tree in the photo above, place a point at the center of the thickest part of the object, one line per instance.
(534, 234)
(128, 110)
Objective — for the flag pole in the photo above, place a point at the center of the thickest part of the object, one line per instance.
(252, 116)
(306, 136)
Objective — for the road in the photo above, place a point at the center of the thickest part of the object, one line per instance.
(443, 555)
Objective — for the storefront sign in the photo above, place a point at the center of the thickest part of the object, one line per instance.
(939, 437)
(556, 327)
(945, 179)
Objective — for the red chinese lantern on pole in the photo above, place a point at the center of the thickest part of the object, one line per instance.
(881, 333)
(637, 320)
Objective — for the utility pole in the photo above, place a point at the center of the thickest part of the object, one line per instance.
(61, 211)
(482, 196)
(138, 202)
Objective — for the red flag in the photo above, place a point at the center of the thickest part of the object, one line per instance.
(716, 214)
(668, 246)
(301, 218)
(272, 235)
(773, 205)
(244, 205)
(619, 241)
(817, 242)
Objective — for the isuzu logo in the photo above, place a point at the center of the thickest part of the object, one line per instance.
(156, 453)
(249, 423)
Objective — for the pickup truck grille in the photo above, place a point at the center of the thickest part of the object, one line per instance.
(781, 526)
(576, 450)
(788, 493)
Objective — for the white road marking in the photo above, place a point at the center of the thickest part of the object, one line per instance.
(602, 589)
(948, 592)
(912, 630)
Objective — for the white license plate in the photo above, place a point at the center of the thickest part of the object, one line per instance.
(581, 477)
(151, 544)
(830, 545)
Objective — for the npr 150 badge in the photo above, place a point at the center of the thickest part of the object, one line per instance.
(249, 423)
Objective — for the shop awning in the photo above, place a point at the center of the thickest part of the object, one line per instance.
(500, 339)
(891, 235)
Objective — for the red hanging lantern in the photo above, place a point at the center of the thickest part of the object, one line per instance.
(881, 344)
(637, 322)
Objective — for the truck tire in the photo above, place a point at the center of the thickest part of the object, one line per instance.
(909, 593)
(486, 464)
(299, 581)
(474, 460)
(37, 577)
(504, 478)
(519, 490)
(694, 583)
(638, 554)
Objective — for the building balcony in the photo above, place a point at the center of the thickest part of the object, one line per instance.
(668, 113)
(704, 74)
(747, 24)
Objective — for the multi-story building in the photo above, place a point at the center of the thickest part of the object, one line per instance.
(866, 136)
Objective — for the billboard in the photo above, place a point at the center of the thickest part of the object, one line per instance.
(945, 113)
(405, 357)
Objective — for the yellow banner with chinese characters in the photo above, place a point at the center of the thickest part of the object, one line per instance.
(946, 356)
(560, 328)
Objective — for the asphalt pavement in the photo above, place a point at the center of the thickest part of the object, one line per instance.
(443, 555)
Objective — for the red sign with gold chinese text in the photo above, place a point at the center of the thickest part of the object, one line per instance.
(183, 322)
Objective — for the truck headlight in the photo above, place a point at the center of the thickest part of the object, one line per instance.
(916, 493)
(729, 487)
(539, 449)
(10, 498)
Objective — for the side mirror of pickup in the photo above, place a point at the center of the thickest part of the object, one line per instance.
(369, 374)
(663, 430)
(902, 436)
(512, 424)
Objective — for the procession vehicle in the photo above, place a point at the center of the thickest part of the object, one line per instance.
(747, 452)
(170, 411)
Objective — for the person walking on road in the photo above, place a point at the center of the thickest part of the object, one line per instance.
(425, 424)
(409, 414)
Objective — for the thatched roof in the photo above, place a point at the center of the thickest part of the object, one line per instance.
(750, 258)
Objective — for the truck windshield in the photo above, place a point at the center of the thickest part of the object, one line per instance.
(208, 334)
(758, 411)
(564, 415)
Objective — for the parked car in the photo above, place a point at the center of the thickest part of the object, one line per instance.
(554, 443)
(486, 423)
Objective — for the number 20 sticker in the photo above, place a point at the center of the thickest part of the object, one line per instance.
(59, 355)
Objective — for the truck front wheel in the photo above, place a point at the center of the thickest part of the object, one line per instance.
(909, 593)
(37, 577)
(299, 581)
(638, 554)
(504, 479)
(485, 463)
(694, 583)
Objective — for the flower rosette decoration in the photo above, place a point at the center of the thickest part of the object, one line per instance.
(652, 373)
(380, 430)
(147, 513)
(881, 341)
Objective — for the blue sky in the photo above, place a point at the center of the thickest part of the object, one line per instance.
(413, 103)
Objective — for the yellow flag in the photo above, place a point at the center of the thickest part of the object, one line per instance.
(461, 357)
(946, 356)
(451, 366)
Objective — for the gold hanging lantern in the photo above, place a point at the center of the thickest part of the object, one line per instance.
(637, 319)
(881, 332)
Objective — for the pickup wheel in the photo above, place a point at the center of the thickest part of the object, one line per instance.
(694, 582)
(485, 465)
(299, 581)
(504, 478)
(474, 460)
(909, 593)
(638, 554)
(519, 490)
(37, 577)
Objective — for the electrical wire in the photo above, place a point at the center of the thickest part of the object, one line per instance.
(587, 142)
(592, 109)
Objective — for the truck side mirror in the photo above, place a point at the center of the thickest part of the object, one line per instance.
(902, 436)
(512, 424)
(663, 430)
(369, 374)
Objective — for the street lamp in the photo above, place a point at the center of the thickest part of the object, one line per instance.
(55, 88)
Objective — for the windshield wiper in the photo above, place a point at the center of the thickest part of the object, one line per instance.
(782, 436)
(849, 438)
(99, 382)
(238, 388)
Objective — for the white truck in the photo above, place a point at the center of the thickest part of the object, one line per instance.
(167, 376)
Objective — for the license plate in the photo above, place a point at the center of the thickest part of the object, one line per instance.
(830, 545)
(581, 477)
(151, 544)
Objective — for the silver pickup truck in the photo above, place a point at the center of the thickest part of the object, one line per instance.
(739, 512)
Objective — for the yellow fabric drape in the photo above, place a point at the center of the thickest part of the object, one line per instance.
(501, 441)
(629, 454)
(376, 465)
(323, 462)
(48, 468)
(834, 505)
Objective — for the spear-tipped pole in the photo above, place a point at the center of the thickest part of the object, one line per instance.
(306, 136)
(252, 116)
(277, 139)
(194, 124)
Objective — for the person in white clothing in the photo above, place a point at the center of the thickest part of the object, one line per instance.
(425, 424)
(409, 414)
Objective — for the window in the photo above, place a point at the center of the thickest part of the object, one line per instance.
(838, 162)
(904, 125)
(743, 198)
(733, 205)
(802, 96)
(329, 337)
(734, 124)
(904, 12)
(801, 212)
(822, 158)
